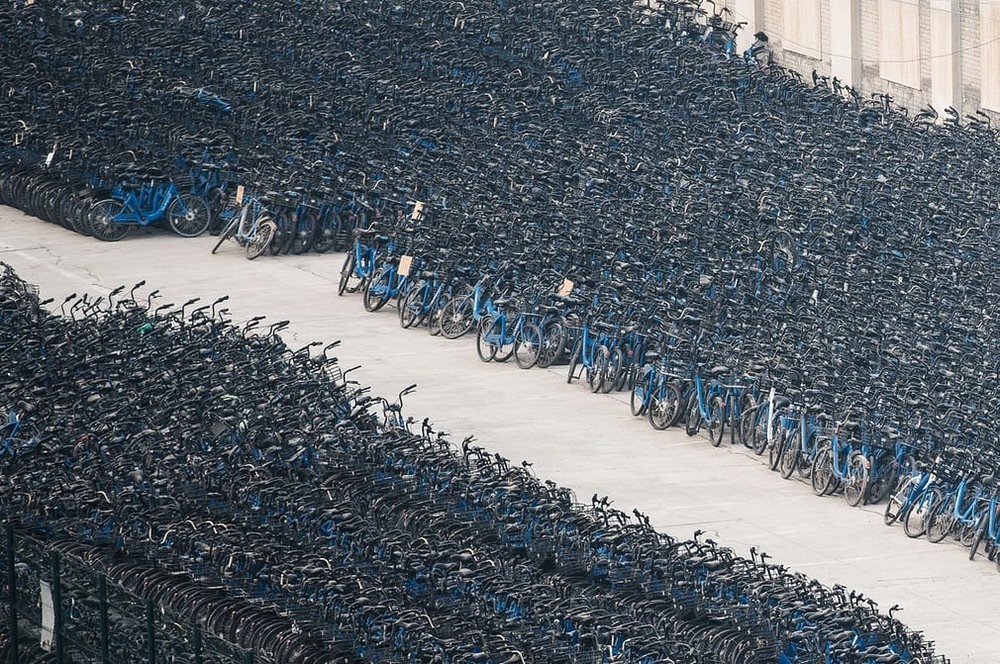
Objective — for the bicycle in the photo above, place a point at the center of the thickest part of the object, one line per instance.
(253, 228)
(155, 198)
(497, 339)
(361, 259)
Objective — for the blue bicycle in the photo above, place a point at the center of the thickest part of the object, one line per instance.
(153, 199)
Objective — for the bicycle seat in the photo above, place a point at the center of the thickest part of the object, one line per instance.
(719, 370)
(428, 274)
(652, 356)
(603, 327)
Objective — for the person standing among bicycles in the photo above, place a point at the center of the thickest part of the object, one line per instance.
(759, 51)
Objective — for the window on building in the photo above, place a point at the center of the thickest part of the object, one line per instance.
(899, 41)
(803, 27)
(989, 54)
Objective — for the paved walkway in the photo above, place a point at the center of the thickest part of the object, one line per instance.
(587, 442)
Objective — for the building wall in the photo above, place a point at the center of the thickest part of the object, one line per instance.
(940, 52)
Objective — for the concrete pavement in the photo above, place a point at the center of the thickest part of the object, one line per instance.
(588, 442)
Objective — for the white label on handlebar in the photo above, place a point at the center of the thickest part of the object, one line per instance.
(239, 195)
(51, 156)
(418, 210)
(405, 263)
(566, 288)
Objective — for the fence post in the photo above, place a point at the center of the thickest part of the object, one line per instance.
(57, 609)
(197, 644)
(12, 591)
(102, 598)
(150, 634)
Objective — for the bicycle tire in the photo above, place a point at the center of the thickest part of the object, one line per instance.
(188, 215)
(327, 233)
(613, 371)
(261, 240)
(823, 479)
(982, 525)
(101, 223)
(484, 348)
(434, 315)
(941, 520)
(553, 344)
(915, 521)
(856, 482)
(378, 291)
(574, 360)
(303, 233)
(664, 409)
(228, 232)
(347, 274)
(457, 317)
(717, 420)
(895, 503)
(789, 456)
(693, 419)
(527, 346)
(411, 307)
(641, 394)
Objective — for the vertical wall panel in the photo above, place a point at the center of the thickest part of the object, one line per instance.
(989, 54)
(899, 41)
(803, 27)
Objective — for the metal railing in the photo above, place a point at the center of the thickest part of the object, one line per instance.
(62, 608)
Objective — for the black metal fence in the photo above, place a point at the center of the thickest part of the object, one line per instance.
(62, 608)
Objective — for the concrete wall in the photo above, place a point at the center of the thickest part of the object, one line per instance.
(940, 52)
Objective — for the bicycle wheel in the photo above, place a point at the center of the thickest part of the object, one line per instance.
(915, 521)
(896, 502)
(485, 349)
(613, 374)
(882, 477)
(378, 290)
(457, 317)
(733, 410)
(664, 406)
(804, 463)
(527, 346)
(261, 240)
(966, 532)
(327, 233)
(753, 424)
(856, 482)
(434, 315)
(574, 360)
(228, 232)
(188, 215)
(553, 344)
(505, 345)
(716, 420)
(777, 445)
(982, 525)
(693, 420)
(102, 224)
(350, 282)
(638, 401)
(304, 232)
(941, 519)
(789, 457)
(599, 371)
(78, 215)
(283, 233)
(823, 479)
(411, 309)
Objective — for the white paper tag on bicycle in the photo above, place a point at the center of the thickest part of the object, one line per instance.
(48, 159)
(239, 195)
(405, 263)
(418, 210)
(566, 288)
